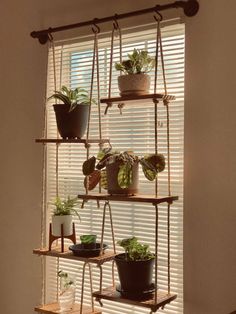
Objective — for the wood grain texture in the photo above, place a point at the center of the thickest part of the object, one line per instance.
(56, 252)
(111, 294)
(54, 308)
(126, 198)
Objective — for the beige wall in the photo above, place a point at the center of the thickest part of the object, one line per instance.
(210, 174)
(210, 148)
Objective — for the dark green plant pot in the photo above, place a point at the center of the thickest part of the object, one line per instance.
(112, 182)
(135, 276)
(71, 124)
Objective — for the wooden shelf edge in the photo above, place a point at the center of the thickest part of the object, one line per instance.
(53, 308)
(123, 198)
(55, 252)
(61, 140)
(111, 294)
(129, 98)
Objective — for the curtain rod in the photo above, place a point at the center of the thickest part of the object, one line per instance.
(190, 8)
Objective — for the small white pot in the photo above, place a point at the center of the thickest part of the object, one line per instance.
(134, 84)
(57, 221)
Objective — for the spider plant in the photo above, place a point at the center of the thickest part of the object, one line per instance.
(72, 97)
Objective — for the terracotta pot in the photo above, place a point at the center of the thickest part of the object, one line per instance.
(112, 182)
(134, 84)
(135, 276)
(71, 124)
(57, 221)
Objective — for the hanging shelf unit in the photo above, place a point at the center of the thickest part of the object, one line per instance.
(139, 98)
(54, 308)
(112, 294)
(127, 198)
(67, 254)
(71, 140)
(159, 298)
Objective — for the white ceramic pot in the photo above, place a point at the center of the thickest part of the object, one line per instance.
(134, 84)
(57, 221)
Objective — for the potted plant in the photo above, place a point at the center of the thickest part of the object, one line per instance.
(88, 241)
(62, 214)
(121, 170)
(135, 268)
(66, 296)
(135, 80)
(72, 113)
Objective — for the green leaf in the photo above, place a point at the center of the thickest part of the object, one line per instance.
(124, 177)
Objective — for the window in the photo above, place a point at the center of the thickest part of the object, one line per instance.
(133, 130)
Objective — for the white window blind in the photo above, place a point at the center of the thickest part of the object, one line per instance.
(133, 130)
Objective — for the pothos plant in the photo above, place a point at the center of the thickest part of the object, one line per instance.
(72, 97)
(67, 282)
(139, 61)
(94, 166)
(135, 251)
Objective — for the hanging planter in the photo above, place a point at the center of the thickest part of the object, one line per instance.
(122, 178)
(135, 269)
(63, 214)
(72, 115)
(135, 80)
(120, 175)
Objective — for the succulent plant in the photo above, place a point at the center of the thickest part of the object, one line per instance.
(72, 97)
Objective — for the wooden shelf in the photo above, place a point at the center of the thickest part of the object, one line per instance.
(111, 294)
(135, 99)
(124, 198)
(54, 308)
(56, 252)
(72, 140)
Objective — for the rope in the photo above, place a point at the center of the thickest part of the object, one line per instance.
(166, 104)
(114, 30)
(91, 96)
(168, 244)
(156, 56)
(155, 100)
(44, 203)
(162, 61)
(156, 144)
(156, 250)
(57, 144)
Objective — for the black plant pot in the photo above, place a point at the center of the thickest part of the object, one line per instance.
(71, 124)
(135, 276)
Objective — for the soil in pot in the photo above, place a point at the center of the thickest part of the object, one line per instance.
(134, 84)
(112, 182)
(71, 124)
(135, 276)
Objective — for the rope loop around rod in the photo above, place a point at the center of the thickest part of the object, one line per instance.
(96, 29)
(160, 16)
(115, 23)
(116, 28)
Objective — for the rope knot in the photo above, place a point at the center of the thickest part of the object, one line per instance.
(87, 145)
